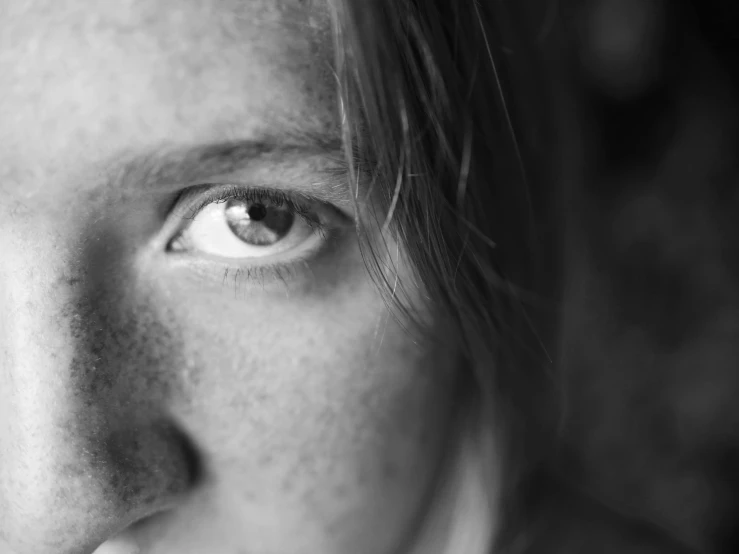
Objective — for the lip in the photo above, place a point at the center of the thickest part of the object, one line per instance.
(132, 540)
(124, 543)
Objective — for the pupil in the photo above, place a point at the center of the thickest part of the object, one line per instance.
(257, 212)
(258, 224)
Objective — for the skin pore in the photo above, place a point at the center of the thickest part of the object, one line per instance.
(185, 401)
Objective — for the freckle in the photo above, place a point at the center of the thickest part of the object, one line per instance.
(288, 483)
(341, 491)
(249, 496)
(389, 470)
(265, 460)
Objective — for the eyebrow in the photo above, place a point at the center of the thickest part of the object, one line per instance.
(167, 167)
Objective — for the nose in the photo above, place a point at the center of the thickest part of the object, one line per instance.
(79, 462)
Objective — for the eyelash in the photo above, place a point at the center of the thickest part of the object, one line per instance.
(295, 202)
(260, 274)
(301, 205)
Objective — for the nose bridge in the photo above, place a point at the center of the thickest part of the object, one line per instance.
(39, 445)
(35, 348)
(73, 471)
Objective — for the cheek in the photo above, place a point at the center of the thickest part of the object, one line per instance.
(292, 376)
(309, 400)
(125, 353)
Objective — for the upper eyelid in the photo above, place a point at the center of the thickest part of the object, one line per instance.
(193, 199)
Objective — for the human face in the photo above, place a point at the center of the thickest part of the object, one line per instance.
(162, 385)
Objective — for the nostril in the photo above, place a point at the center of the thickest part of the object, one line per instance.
(192, 460)
(129, 540)
(149, 467)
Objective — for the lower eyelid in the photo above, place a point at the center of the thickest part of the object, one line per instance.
(217, 275)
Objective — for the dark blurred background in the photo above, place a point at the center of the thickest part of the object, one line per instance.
(647, 451)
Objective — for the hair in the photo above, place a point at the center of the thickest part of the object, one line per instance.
(469, 118)
(449, 112)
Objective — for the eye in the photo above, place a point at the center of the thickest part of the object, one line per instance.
(247, 224)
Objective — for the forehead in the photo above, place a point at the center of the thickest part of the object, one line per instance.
(81, 79)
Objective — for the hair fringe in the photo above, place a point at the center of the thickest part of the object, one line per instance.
(441, 124)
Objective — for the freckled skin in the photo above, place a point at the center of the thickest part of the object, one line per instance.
(276, 418)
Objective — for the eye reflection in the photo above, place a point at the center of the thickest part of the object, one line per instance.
(258, 223)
